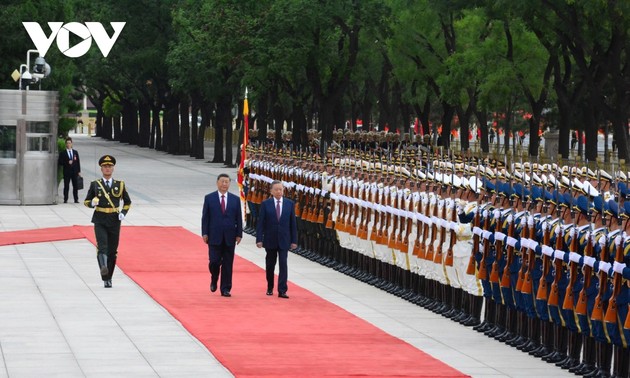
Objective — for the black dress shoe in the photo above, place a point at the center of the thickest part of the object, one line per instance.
(213, 287)
(226, 294)
(107, 283)
(76, 201)
(269, 292)
(283, 295)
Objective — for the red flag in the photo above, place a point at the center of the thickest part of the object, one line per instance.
(415, 126)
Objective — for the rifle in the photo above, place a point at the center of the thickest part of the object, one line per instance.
(377, 216)
(568, 303)
(437, 258)
(526, 235)
(391, 241)
(354, 209)
(431, 250)
(405, 243)
(402, 205)
(555, 290)
(418, 246)
(341, 215)
(531, 254)
(494, 274)
(611, 311)
(541, 294)
(382, 238)
(477, 220)
(598, 309)
(362, 229)
(453, 237)
(581, 306)
(482, 273)
(329, 220)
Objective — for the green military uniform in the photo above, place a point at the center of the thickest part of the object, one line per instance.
(105, 197)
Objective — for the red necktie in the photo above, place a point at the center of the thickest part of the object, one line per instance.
(223, 204)
(278, 210)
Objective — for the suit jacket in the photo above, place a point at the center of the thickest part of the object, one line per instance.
(64, 160)
(274, 233)
(219, 226)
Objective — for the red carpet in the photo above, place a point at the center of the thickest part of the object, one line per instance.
(253, 334)
(40, 235)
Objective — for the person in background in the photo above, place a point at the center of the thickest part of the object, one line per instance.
(69, 160)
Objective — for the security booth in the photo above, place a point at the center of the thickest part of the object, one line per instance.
(28, 147)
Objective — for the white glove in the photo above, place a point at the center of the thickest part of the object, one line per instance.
(590, 261)
(121, 216)
(604, 266)
(618, 267)
(94, 201)
(574, 257)
(547, 250)
(557, 254)
(511, 241)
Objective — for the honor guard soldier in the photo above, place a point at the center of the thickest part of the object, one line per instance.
(105, 197)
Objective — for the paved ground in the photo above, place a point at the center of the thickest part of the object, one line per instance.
(57, 320)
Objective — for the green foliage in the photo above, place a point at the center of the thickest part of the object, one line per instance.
(64, 127)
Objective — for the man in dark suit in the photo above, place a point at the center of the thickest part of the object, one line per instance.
(221, 229)
(277, 232)
(69, 160)
(104, 196)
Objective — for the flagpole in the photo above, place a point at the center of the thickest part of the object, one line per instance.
(241, 173)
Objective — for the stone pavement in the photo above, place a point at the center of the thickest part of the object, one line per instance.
(56, 319)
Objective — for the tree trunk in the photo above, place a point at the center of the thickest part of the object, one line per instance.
(194, 132)
(185, 118)
(156, 128)
(299, 126)
(447, 117)
(261, 118)
(219, 129)
(144, 114)
(171, 125)
(482, 118)
(117, 126)
(107, 127)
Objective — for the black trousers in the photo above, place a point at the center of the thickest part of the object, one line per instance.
(107, 238)
(66, 187)
(221, 261)
(270, 265)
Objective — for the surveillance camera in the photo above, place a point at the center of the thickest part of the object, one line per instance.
(40, 65)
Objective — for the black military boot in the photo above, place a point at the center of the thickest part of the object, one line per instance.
(619, 362)
(102, 263)
(589, 360)
(575, 347)
(532, 336)
(541, 349)
(476, 303)
(602, 362)
(488, 314)
(497, 321)
(546, 335)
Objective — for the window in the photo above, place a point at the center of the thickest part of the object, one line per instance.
(38, 127)
(38, 136)
(8, 147)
